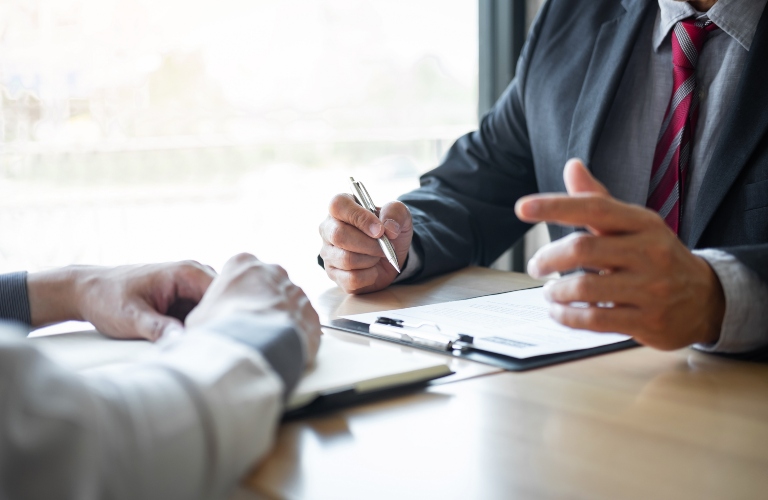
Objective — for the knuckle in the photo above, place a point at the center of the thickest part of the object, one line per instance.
(189, 263)
(582, 287)
(654, 219)
(361, 218)
(595, 208)
(322, 228)
(278, 270)
(243, 258)
(325, 253)
(398, 211)
(662, 288)
(347, 260)
(655, 321)
(338, 204)
(593, 318)
(358, 281)
(186, 268)
(659, 253)
(337, 234)
(582, 245)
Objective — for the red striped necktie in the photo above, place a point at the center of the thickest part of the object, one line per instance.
(673, 150)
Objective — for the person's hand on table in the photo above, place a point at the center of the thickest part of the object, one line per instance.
(248, 286)
(647, 284)
(127, 302)
(352, 256)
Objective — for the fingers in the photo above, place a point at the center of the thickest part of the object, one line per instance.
(648, 330)
(620, 289)
(582, 250)
(237, 262)
(587, 204)
(343, 259)
(192, 279)
(268, 288)
(397, 219)
(597, 319)
(579, 180)
(352, 255)
(347, 237)
(151, 325)
(600, 213)
(306, 319)
(357, 281)
(344, 209)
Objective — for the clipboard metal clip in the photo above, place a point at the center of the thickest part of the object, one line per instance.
(417, 334)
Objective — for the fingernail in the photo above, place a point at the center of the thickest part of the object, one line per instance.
(548, 290)
(392, 225)
(531, 209)
(533, 268)
(171, 332)
(375, 229)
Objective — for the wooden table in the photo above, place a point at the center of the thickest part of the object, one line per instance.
(633, 424)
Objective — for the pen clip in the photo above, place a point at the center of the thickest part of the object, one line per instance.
(362, 195)
(369, 200)
(397, 329)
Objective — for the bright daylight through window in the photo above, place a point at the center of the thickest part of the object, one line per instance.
(150, 130)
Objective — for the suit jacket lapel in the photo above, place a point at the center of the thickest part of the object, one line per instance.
(743, 128)
(609, 58)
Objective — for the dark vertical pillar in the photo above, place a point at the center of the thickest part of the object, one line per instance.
(502, 35)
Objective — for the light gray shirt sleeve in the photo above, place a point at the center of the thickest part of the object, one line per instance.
(14, 302)
(274, 336)
(185, 423)
(745, 325)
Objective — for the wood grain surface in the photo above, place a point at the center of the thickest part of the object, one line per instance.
(632, 424)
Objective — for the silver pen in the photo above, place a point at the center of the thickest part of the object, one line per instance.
(359, 191)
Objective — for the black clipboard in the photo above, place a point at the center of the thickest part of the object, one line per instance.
(489, 358)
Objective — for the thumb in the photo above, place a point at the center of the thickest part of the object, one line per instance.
(579, 180)
(396, 219)
(152, 325)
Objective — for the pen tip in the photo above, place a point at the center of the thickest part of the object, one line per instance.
(397, 268)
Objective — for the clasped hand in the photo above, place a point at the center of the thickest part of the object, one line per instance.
(657, 290)
(150, 301)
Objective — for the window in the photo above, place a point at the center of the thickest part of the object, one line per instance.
(150, 130)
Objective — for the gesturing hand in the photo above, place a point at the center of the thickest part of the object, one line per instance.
(662, 294)
(248, 286)
(352, 256)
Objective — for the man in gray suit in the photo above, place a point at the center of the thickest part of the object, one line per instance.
(663, 102)
(184, 423)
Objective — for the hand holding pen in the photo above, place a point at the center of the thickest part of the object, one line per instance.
(364, 247)
(364, 199)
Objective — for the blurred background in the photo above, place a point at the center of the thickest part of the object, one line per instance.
(152, 130)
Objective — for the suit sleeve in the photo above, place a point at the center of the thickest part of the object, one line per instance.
(186, 423)
(463, 212)
(14, 302)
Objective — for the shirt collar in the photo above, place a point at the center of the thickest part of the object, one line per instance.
(737, 18)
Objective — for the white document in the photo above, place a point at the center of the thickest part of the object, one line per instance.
(515, 324)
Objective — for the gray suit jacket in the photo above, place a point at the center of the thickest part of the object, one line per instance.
(555, 109)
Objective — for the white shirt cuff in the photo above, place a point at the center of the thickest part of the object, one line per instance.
(745, 324)
(413, 266)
